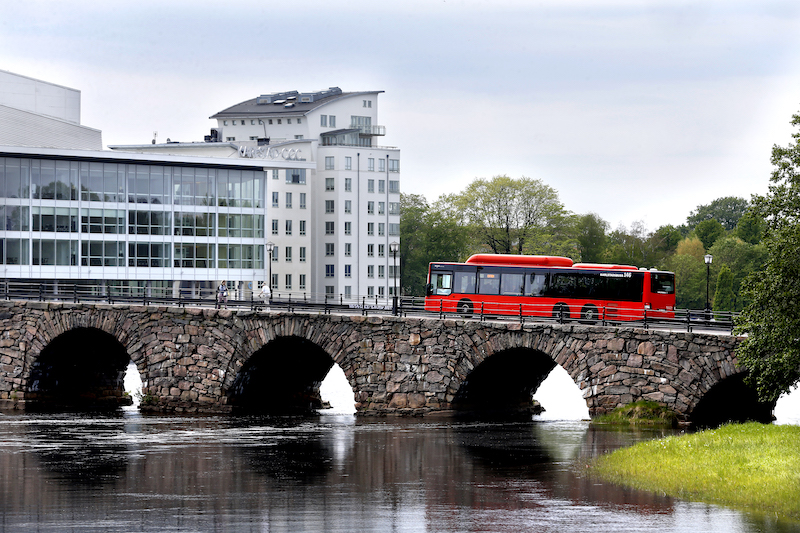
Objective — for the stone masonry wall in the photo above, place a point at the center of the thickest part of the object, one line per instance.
(189, 358)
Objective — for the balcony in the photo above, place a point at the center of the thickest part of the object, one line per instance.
(369, 130)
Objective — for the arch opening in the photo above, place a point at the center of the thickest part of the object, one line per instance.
(81, 369)
(505, 383)
(731, 400)
(560, 397)
(283, 377)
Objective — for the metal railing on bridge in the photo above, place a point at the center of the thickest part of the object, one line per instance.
(680, 319)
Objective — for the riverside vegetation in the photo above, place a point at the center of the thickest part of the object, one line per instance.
(752, 467)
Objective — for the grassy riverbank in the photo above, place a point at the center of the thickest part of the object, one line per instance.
(752, 467)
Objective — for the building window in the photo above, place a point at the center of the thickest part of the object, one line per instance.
(328, 248)
(269, 120)
(274, 280)
(296, 176)
(348, 271)
(370, 208)
(332, 121)
(348, 163)
(381, 186)
(348, 249)
(348, 228)
(371, 164)
(394, 165)
(370, 228)
(348, 206)
(348, 184)
(394, 271)
(323, 121)
(381, 271)
(298, 121)
(302, 254)
(288, 282)
(329, 184)
(224, 122)
(370, 291)
(381, 165)
(329, 206)
(302, 286)
(370, 250)
(381, 291)
(394, 186)
(370, 185)
(275, 199)
(381, 208)
(394, 230)
(275, 174)
(381, 229)
(288, 200)
(288, 121)
(287, 254)
(329, 228)
(275, 254)
(328, 162)
(302, 227)
(394, 208)
(303, 201)
(370, 271)
(348, 291)
(274, 226)
(230, 139)
(288, 227)
(279, 121)
(381, 250)
(328, 271)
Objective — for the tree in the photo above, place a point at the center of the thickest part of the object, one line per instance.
(690, 274)
(741, 258)
(591, 236)
(709, 231)
(723, 296)
(506, 213)
(727, 211)
(427, 234)
(771, 349)
(750, 228)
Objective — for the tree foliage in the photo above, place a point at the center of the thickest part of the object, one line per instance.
(690, 274)
(591, 236)
(709, 231)
(727, 211)
(427, 234)
(771, 350)
(723, 295)
(505, 213)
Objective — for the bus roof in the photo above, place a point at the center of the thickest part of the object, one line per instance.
(519, 260)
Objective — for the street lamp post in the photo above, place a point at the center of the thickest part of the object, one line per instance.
(394, 247)
(708, 258)
(270, 247)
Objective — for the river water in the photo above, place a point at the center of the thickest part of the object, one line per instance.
(331, 472)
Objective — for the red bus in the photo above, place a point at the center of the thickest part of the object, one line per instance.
(536, 285)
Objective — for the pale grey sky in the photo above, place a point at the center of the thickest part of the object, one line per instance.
(635, 110)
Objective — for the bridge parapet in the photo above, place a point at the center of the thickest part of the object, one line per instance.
(194, 359)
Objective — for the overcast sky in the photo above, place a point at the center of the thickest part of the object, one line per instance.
(635, 110)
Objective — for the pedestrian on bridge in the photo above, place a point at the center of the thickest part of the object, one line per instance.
(222, 295)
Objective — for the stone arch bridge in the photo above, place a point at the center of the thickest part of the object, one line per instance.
(206, 360)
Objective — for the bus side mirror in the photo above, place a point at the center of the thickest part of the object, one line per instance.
(428, 289)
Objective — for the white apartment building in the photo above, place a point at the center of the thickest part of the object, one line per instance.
(331, 226)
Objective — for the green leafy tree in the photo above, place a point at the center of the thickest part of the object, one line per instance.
(690, 274)
(750, 228)
(505, 214)
(427, 234)
(709, 231)
(742, 258)
(727, 211)
(723, 295)
(591, 236)
(771, 321)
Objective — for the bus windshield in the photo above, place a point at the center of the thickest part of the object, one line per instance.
(441, 283)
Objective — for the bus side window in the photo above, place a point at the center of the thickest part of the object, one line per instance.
(511, 284)
(465, 282)
(536, 284)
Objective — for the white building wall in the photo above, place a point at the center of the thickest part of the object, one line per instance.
(40, 97)
(23, 128)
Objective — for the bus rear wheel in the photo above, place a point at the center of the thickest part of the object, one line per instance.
(589, 314)
(465, 308)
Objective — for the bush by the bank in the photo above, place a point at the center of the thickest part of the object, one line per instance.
(642, 412)
(752, 467)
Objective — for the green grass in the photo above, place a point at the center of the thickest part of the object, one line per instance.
(642, 412)
(752, 467)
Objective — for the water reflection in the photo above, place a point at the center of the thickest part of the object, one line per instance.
(328, 473)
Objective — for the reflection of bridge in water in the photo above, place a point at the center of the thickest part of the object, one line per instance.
(207, 360)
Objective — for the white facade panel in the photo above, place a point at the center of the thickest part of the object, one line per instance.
(22, 128)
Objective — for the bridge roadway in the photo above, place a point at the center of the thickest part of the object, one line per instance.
(192, 359)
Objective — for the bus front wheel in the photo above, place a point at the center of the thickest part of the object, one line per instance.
(465, 308)
(561, 312)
